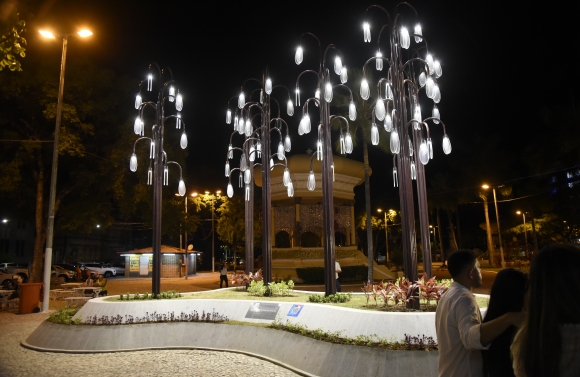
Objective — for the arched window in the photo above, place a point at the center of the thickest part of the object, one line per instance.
(339, 239)
(309, 239)
(283, 239)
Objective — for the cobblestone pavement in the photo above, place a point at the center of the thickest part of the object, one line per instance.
(17, 361)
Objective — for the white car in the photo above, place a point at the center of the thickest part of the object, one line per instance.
(101, 269)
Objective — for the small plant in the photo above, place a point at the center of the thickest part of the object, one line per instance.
(64, 316)
(257, 288)
(335, 298)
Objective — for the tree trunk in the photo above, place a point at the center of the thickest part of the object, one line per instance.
(440, 237)
(453, 241)
(370, 276)
(37, 269)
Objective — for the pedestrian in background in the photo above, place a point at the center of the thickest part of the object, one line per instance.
(223, 274)
(337, 271)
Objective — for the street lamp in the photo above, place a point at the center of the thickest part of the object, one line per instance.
(52, 195)
(158, 173)
(386, 232)
(409, 70)
(211, 197)
(185, 234)
(485, 187)
(525, 232)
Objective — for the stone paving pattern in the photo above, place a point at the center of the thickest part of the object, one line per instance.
(18, 361)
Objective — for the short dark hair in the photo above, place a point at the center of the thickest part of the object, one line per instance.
(459, 260)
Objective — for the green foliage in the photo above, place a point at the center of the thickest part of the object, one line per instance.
(64, 316)
(335, 298)
(257, 288)
(147, 296)
(11, 41)
(315, 275)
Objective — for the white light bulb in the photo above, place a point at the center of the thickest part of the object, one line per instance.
(364, 89)
(429, 84)
(171, 95)
(252, 154)
(311, 181)
(367, 32)
(424, 152)
(178, 120)
(436, 94)
(287, 144)
(228, 117)
(388, 123)
(249, 129)
(429, 61)
(395, 144)
(241, 100)
(286, 177)
(290, 108)
(446, 144)
(404, 38)
(436, 114)
(133, 163)
(348, 143)
(411, 150)
(137, 126)
(343, 75)
(380, 110)
(306, 127)
(437, 68)
(422, 79)
(280, 151)
(181, 188)
(183, 141)
(337, 65)
(379, 60)
(299, 55)
(388, 91)
(374, 134)
(179, 102)
(417, 117)
(413, 171)
(328, 92)
(247, 176)
(138, 101)
(430, 145)
(290, 189)
(150, 176)
(268, 86)
(352, 111)
(418, 31)
(230, 190)
(149, 82)
(230, 152)
(227, 168)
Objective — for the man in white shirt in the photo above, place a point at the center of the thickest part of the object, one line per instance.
(460, 333)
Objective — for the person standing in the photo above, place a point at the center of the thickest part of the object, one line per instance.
(223, 274)
(337, 271)
(460, 333)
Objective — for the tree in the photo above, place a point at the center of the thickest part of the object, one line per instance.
(364, 125)
(93, 149)
(11, 41)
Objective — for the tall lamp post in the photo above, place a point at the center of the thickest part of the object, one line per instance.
(211, 198)
(158, 173)
(185, 234)
(52, 195)
(525, 233)
(485, 186)
(386, 233)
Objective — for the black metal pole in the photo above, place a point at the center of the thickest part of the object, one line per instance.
(266, 191)
(157, 194)
(327, 193)
(249, 220)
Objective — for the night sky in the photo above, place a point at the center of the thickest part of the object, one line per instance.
(500, 63)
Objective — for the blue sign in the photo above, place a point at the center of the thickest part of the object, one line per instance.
(295, 310)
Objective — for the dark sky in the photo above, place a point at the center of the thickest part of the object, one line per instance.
(500, 60)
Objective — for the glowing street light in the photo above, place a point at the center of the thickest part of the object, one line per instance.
(52, 195)
(525, 232)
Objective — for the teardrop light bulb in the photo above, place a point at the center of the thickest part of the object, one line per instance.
(328, 92)
(337, 65)
(181, 188)
(228, 117)
(379, 60)
(280, 151)
(395, 144)
(429, 61)
(290, 108)
(348, 143)
(299, 55)
(241, 100)
(436, 94)
(179, 102)
(138, 101)
(388, 123)
(424, 153)
(418, 31)
(429, 84)
(404, 38)
(422, 79)
(364, 89)
(171, 95)
(436, 114)
(374, 134)
(287, 144)
(380, 110)
(367, 32)
(230, 190)
(388, 91)
(133, 163)
(268, 86)
(247, 176)
(227, 168)
(311, 181)
(286, 177)
(446, 144)
(352, 111)
(437, 68)
(183, 141)
(137, 126)
(343, 75)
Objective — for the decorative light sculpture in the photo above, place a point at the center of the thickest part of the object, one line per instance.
(158, 172)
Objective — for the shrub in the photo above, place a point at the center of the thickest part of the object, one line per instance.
(64, 316)
(257, 288)
(335, 298)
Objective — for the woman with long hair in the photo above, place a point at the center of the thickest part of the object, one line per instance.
(507, 295)
(548, 344)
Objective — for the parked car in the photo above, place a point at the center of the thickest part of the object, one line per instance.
(119, 267)
(61, 273)
(20, 269)
(100, 269)
(6, 279)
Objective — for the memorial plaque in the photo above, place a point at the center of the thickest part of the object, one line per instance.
(295, 310)
(262, 310)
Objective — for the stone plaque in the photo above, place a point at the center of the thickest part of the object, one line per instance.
(262, 310)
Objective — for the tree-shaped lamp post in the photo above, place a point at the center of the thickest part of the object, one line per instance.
(398, 105)
(158, 173)
(322, 98)
(257, 144)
